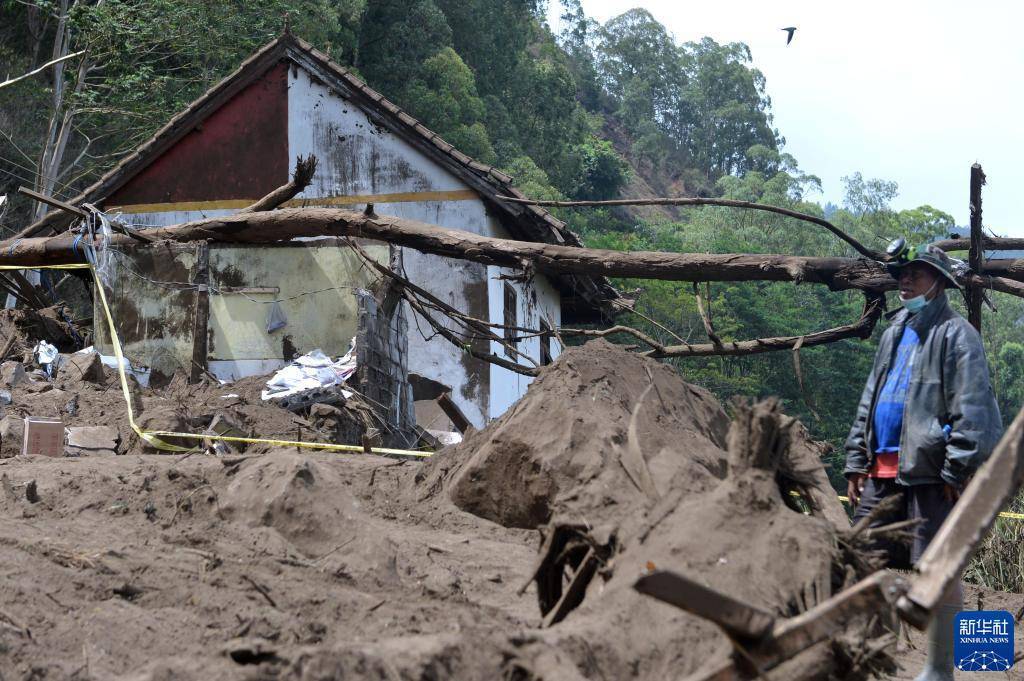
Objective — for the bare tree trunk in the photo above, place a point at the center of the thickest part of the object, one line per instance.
(287, 223)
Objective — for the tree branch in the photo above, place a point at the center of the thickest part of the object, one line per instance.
(705, 315)
(12, 81)
(303, 175)
(477, 325)
(862, 328)
(458, 342)
(286, 224)
(698, 201)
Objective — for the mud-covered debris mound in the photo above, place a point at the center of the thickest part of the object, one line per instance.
(736, 535)
(21, 329)
(565, 447)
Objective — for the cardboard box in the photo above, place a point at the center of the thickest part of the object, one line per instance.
(43, 436)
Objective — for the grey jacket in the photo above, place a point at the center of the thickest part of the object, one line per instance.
(949, 385)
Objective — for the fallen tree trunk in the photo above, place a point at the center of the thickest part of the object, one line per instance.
(989, 243)
(288, 223)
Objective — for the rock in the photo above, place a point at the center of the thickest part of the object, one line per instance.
(5, 397)
(92, 441)
(38, 386)
(85, 366)
(11, 374)
(12, 431)
(324, 411)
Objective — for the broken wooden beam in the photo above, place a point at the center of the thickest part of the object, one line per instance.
(50, 201)
(976, 256)
(992, 487)
(740, 620)
(454, 414)
(785, 639)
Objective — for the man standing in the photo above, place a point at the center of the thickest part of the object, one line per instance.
(926, 420)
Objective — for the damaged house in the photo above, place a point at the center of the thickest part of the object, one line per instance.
(239, 310)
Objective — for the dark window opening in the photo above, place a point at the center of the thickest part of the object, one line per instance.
(511, 304)
(545, 343)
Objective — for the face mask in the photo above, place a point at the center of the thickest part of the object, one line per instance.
(917, 303)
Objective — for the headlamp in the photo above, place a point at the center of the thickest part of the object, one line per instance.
(899, 250)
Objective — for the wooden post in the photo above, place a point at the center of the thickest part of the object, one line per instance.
(201, 319)
(976, 257)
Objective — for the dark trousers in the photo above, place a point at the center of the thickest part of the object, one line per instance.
(927, 502)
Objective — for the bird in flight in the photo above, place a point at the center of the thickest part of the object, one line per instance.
(790, 30)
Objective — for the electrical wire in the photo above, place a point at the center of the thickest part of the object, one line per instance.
(70, 193)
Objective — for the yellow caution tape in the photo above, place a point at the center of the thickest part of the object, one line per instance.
(153, 437)
(1002, 514)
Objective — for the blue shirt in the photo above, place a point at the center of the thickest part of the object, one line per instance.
(888, 418)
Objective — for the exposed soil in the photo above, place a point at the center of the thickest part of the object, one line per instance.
(277, 564)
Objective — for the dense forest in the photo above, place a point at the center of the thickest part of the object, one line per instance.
(596, 111)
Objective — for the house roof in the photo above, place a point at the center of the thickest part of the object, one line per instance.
(584, 297)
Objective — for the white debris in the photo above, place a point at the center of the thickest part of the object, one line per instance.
(313, 371)
(45, 355)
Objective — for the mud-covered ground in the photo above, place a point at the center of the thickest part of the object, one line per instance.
(172, 567)
(302, 566)
(280, 566)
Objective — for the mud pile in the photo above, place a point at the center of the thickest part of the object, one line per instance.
(626, 468)
(302, 566)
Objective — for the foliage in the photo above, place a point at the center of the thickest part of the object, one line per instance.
(999, 562)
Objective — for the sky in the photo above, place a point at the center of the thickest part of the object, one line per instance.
(903, 90)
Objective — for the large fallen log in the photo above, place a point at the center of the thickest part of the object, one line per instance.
(289, 223)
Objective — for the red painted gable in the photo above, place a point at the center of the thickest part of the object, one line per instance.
(240, 151)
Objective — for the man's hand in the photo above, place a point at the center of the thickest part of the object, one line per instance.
(854, 486)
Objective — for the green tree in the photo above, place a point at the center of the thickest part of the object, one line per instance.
(396, 38)
(445, 94)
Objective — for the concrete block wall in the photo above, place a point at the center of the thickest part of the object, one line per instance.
(382, 361)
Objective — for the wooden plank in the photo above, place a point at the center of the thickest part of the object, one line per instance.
(452, 411)
(201, 317)
(792, 639)
(50, 201)
(976, 256)
(738, 619)
(992, 487)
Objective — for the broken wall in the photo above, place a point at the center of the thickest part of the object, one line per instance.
(153, 300)
(382, 369)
